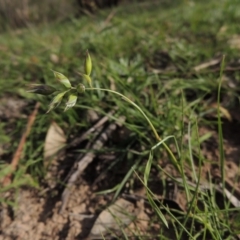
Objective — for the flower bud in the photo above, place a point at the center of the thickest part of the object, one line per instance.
(62, 79)
(88, 64)
(80, 88)
(72, 99)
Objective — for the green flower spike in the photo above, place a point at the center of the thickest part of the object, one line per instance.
(72, 99)
(56, 101)
(62, 79)
(88, 64)
(88, 69)
(88, 79)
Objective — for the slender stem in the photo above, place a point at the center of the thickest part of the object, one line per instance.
(220, 136)
(149, 122)
(134, 104)
(220, 132)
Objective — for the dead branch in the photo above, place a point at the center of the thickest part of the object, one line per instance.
(84, 161)
(93, 129)
(18, 153)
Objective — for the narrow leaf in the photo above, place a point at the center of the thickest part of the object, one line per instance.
(41, 89)
(71, 101)
(56, 101)
(62, 79)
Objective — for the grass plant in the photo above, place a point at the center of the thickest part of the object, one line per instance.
(166, 102)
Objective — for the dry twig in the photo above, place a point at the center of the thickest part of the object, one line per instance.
(17, 155)
(93, 129)
(83, 161)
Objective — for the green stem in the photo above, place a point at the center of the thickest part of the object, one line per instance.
(145, 116)
(132, 103)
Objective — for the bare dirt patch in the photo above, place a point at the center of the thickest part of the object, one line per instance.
(36, 213)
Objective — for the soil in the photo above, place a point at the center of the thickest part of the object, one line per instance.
(36, 212)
